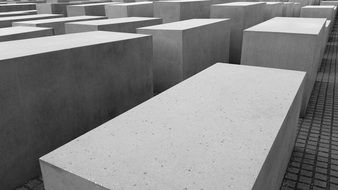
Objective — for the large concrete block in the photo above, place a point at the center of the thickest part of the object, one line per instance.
(136, 9)
(126, 24)
(334, 3)
(183, 48)
(17, 7)
(273, 9)
(296, 9)
(176, 10)
(204, 133)
(58, 24)
(286, 43)
(319, 12)
(7, 21)
(56, 88)
(302, 2)
(18, 13)
(23, 32)
(93, 9)
(288, 9)
(243, 15)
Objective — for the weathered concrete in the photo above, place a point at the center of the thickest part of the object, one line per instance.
(23, 32)
(94, 9)
(136, 9)
(319, 12)
(334, 3)
(7, 21)
(176, 10)
(303, 2)
(17, 7)
(126, 24)
(184, 48)
(288, 9)
(54, 89)
(273, 9)
(58, 24)
(243, 15)
(204, 133)
(18, 13)
(286, 43)
(296, 9)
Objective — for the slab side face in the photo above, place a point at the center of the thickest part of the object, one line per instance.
(55, 91)
(7, 21)
(144, 9)
(18, 33)
(188, 137)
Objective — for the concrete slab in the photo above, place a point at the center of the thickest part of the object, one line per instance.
(7, 21)
(93, 9)
(126, 24)
(319, 11)
(243, 15)
(296, 9)
(58, 24)
(288, 9)
(56, 88)
(17, 7)
(335, 3)
(23, 32)
(273, 9)
(184, 48)
(18, 13)
(286, 43)
(204, 133)
(303, 2)
(176, 10)
(136, 9)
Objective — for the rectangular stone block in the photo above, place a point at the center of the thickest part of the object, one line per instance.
(56, 88)
(184, 48)
(243, 15)
(17, 7)
(175, 10)
(319, 12)
(288, 9)
(58, 24)
(93, 9)
(334, 3)
(126, 24)
(286, 43)
(204, 133)
(273, 9)
(7, 21)
(136, 9)
(23, 32)
(18, 13)
(296, 9)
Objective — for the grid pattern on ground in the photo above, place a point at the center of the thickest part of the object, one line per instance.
(314, 161)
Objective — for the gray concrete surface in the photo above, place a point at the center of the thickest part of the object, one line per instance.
(23, 32)
(18, 13)
(273, 9)
(126, 24)
(319, 11)
(184, 48)
(57, 88)
(135, 9)
(288, 9)
(93, 9)
(58, 24)
(7, 21)
(17, 7)
(243, 15)
(192, 136)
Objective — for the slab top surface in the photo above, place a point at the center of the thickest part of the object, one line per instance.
(114, 21)
(19, 29)
(95, 4)
(204, 133)
(61, 19)
(181, 1)
(311, 26)
(20, 48)
(133, 3)
(273, 3)
(184, 25)
(236, 4)
(18, 12)
(319, 7)
(28, 17)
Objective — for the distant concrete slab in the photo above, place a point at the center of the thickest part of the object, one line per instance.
(58, 24)
(273, 9)
(93, 9)
(126, 24)
(23, 32)
(7, 21)
(135, 9)
(204, 133)
(319, 11)
(184, 48)
(18, 13)
(287, 43)
(54, 89)
(17, 7)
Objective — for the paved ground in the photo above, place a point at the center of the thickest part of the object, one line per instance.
(314, 161)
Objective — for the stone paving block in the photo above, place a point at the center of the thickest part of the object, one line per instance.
(283, 42)
(126, 24)
(181, 138)
(243, 15)
(184, 48)
(273, 9)
(136, 9)
(7, 21)
(23, 32)
(319, 12)
(57, 88)
(176, 10)
(18, 13)
(93, 9)
(17, 7)
(58, 24)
